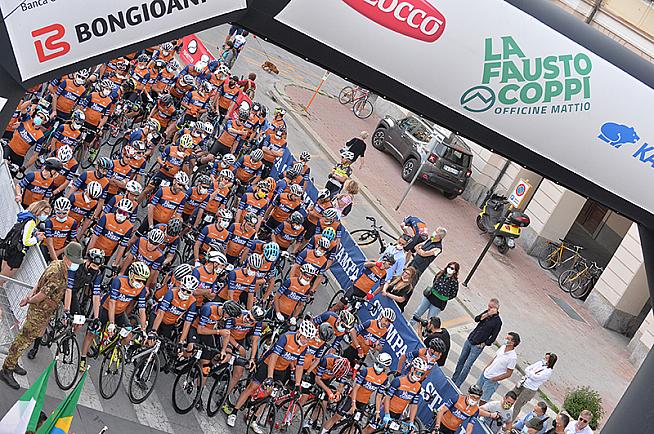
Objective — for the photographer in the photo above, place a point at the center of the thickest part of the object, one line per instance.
(503, 412)
(432, 329)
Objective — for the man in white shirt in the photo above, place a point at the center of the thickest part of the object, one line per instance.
(580, 426)
(500, 368)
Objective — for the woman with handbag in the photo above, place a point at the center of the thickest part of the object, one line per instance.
(535, 375)
(444, 288)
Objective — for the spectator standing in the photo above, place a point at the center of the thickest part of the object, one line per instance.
(340, 173)
(400, 288)
(434, 330)
(503, 409)
(427, 251)
(229, 54)
(344, 200)
(500, 368)
(444, 288)
(558, 425)
(539, 411)
(357, 145)
(535, 375)
(397, 252)
(580, 426)
(484, 334)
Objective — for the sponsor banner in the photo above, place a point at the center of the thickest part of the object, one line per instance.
(506, 70)
(49, 34)
(402, 339)
(194, 51)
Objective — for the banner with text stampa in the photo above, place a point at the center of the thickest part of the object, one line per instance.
(506, 70)
(49, 34)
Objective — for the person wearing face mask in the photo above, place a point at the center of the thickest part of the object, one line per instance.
(341, 324)
(28, 133)
(539, 412)
(372, 273)
(501, 413)
(536, 375)
(427, 251)
(67, 173)
(83, 205)
(453, 414)
(433, 331)
(368, 335)
(177, 306)
(240, 235)
(431, 353)
(254, 203)
(558, 425)
(404, 392)
(68, 133)
(97, 108)
(226, 95)
(283, 206)
(195, 195)
(22, 236)
(100, 174)
(147, 250)
(113, 231)
(39, 185)
(212, 235)
(219, 194)
(68, 95)
(43, 301)
(289, 232)
(294, 293)
(211, 275)
(444, 288)
(60, 229)
(273, 147)
(241, 282)
(500, 368)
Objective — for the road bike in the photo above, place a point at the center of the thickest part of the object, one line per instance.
(376, 233)
(279, 412)
(361, 107)
(580, 280)
(556, 254)
(147, 367)
(67, 354)
(222, 376)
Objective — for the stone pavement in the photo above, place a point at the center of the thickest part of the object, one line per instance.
(588, 354)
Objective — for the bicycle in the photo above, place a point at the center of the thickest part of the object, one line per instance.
(279, 411)
(580, 280)
(67, 355)
(365, 237)
(553, 253)
(147, 367)
(355, 422)
(362, 107)
(222, 376)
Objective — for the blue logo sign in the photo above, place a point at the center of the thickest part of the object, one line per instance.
(617, 134)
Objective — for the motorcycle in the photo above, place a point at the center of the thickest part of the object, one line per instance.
(491, 216)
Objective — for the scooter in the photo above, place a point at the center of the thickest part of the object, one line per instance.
(490, 218)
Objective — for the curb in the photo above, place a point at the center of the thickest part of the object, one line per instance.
(280, 96)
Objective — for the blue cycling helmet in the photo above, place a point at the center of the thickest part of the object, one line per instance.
(271, 251)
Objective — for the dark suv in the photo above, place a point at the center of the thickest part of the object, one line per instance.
(448, 168)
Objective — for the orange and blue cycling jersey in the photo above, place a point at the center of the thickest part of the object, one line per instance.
(283, 206)
(212, 235)
(218, 167)
(417, 224)
(370, 333)
(154, 74)
(96, 107)
(246, 169)
(403, 392)
(332, 244)
(272, 143)
(170, 243)
(180, 88)
(141, 76)
(160, 55)
(61, 232)
(139, 134)
(69, 95)
(138, 163)
(64, 135)
(227, 94)
(308, 256)
(25, 136)
(315, 350)
(239, 328)
(331, 318)
(239, 236)
(193, 200)
(112, 203)
(110, 233)
(251, 203)
(121, 172)
(123, 293)
(370, 276)
(209, 315)
(267, 267)
(35, 187)
(459, 412)
(336, 225)
(207, 280)
(238, 281)
(152, 257)
(173, 158)
(164, 114)
(315, 212)
(369, 382)
(175, 308)
(423, 353)
(289, 352)
(66, 173)
(215, 200)
(290, 293)
(193, 103)
(89, 176)
(286, 234)
(228, 138)
(270, 127)
(79, 207)
(167, 204)
(325, 369)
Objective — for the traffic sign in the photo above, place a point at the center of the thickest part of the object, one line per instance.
(519, 193)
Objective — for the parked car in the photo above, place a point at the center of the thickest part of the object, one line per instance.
(448, 168)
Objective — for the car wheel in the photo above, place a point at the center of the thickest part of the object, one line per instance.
(409, 169)
(378, 138)
(450, 196)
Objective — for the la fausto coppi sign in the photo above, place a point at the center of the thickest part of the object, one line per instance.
(514, 84)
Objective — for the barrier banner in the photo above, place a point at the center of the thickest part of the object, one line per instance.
(194, 51)
(402, 339)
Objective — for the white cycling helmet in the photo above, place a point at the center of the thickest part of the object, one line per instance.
(224, 213)
(308, 269)
(133, 187)
(216, 257)
(419, 364)
(229, 159)
(308, 330)
(156, 236)
(189, 283)
(61, 205)
(65, 153)
(330, 213)
(207, 127)
(384, 359)
(227, 174)
(94, 190)
(388, 313)
(255, 261)
(125, 205)
(182, 179)
(295, 189)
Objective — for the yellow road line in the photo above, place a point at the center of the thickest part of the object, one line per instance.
(465, 319)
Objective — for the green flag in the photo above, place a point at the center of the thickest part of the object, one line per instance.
(24, 415)
(60, 420)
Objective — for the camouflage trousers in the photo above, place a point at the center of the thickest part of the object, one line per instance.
(35, 323)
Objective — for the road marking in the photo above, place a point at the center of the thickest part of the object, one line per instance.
(455, 322)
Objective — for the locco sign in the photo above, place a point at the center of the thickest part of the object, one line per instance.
(48, 34)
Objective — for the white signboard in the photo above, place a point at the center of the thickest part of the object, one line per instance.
(49, 34)
(504, 69)
(519, 193)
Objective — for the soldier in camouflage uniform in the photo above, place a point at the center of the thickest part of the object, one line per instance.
(43, 302)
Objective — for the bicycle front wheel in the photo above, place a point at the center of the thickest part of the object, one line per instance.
(346, 95)
(289, 417)
(548, 257)
(362, 109)
(364, 237)
(111, 371)
(143, 378)
(263, 415)
(67, 358)
(314, 414)
(351, 428)
(582, 289)
(187, 389)
(218, 393)
(569, 280)
(336, 298)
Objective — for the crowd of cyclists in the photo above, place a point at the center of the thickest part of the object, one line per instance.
(165, 176)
